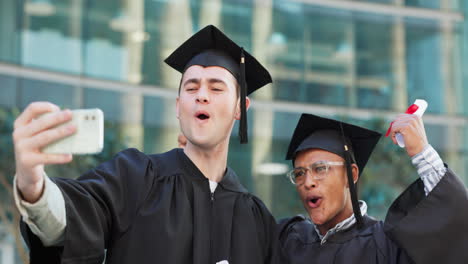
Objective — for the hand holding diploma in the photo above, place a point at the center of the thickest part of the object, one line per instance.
(407, 130)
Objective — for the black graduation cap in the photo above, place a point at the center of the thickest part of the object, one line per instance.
(353, 143)
(318, 132)
(210, 47)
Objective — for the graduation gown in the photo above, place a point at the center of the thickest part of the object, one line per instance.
(157, 209)
(417, 229)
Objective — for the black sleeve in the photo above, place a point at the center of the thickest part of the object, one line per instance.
(283, 232)
(266, 225)
(433, 228)
(99, 206)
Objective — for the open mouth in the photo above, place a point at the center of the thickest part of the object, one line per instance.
(314, 201)
(202, 115)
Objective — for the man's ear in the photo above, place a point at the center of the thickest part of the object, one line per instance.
(355, 170)
(177, 107)
(238, 108)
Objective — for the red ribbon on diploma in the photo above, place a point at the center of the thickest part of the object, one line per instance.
(411, 110)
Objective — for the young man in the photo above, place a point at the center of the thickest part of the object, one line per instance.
(426, 224)
(182, 206)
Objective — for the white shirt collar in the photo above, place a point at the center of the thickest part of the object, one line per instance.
(343, 225)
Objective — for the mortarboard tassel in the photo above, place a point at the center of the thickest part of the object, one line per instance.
(352, 189)
(352, 186)
(243, 93)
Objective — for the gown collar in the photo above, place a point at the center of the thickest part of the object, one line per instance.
(343, 225)
(229, 180)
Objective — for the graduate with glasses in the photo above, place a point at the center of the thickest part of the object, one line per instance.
(426, 224)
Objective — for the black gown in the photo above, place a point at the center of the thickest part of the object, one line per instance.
(158, 209)
(417, 229)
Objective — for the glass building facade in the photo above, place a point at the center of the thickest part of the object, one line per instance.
(359, 61)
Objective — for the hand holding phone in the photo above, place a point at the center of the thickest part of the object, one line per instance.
(89, 135)
(37, 126)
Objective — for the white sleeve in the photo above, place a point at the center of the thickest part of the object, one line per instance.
(430, 167)
(46, 218)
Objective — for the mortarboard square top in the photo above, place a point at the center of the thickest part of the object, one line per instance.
(322, 133)
(210, 47)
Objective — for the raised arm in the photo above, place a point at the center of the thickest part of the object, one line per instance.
(38, 199)
(432, 211)
(30, 135)
(427, 161)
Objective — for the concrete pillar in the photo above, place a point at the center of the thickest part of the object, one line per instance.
(400, 93)
(177, 28)
(261, 136)
(451, 78)
(132, 103)
(210, 13)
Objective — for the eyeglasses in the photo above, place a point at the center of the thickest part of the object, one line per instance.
(318, 170)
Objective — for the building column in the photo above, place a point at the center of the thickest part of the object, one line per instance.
(177, 21)
(400, 92)
(351, 82)
(8, 252)
(132, 103)
(210, 13)
(451, 79)
(262, 136)
(76, 29)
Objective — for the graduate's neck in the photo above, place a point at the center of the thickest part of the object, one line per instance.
(212, 162)
(342, 215)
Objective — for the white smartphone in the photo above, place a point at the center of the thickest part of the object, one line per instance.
(89, 135)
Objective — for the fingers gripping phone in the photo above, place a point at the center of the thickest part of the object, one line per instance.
(89, 135)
